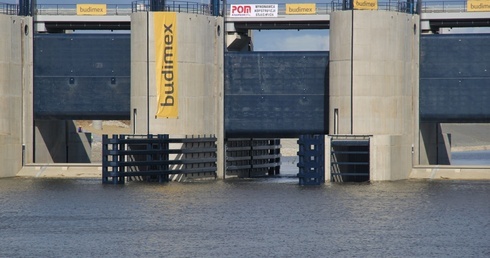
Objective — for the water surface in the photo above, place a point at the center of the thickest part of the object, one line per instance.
(243, 218)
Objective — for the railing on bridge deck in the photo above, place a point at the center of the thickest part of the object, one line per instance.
(443, 7)
(155, 157)
(399, 6)
(9, 9)
(328, 7)
(173, 6)
(112, 9)
(199, 8)
(71, 9)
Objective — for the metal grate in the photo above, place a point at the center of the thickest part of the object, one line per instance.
(252, 157)
(349, 159)
(155, 157)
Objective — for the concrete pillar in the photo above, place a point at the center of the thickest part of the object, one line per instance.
(374, 58)
(200, 79)
(15, 81)
(328, 158)
(238, 40)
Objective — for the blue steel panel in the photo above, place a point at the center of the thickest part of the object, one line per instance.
(82, 76)
(279, 94)
(455, 78)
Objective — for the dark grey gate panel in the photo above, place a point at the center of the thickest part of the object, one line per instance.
(279, 94)
(455, 78)
(82, 76)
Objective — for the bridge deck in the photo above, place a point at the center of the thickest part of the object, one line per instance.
(434, 15)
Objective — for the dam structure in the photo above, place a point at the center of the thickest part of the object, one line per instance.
(369, 109)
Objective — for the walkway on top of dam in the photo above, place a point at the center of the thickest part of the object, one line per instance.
(434, 15)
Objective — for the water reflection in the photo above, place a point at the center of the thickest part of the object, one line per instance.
(243, 218)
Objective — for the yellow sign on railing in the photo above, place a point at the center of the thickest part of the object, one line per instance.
(166, 70)
(91, 9)
(300, 8)
(366, 4)
(478, 6)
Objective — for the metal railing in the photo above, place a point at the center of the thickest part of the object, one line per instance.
(71, 9)
(172, 6)
(9, 9)
(112, 9)
(328, 7)
(198, 8)
(399, 6)
(444, 7)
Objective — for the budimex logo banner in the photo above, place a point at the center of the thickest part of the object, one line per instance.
(166, 64)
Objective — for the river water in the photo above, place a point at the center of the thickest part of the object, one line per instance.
(271, 217)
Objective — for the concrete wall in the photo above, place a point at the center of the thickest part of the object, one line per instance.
(15, 79)
(451, 172)
(374, 60)
(200, 78)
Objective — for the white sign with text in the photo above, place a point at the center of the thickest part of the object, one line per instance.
(253, 10)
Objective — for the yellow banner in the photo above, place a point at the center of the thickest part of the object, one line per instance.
(366, 4)
(91, 9)
(165, 31)
(478, 6)
(300, 8)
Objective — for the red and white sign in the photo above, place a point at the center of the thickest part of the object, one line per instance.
(253, 10)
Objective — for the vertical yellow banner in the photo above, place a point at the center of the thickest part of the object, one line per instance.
(165, 32)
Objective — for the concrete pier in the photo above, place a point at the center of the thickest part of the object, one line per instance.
(200, 78)
(374, 62)
(15, 91)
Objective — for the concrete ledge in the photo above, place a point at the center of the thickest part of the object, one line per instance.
(61, 171)
(451, 172)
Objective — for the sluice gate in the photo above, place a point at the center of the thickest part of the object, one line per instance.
(349, 159)
(155, 157)
(276, 94)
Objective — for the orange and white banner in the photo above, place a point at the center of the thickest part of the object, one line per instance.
(166, 70)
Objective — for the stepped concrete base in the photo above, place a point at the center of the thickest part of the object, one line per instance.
(451, 172)
(61, 171)
(95, 171)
